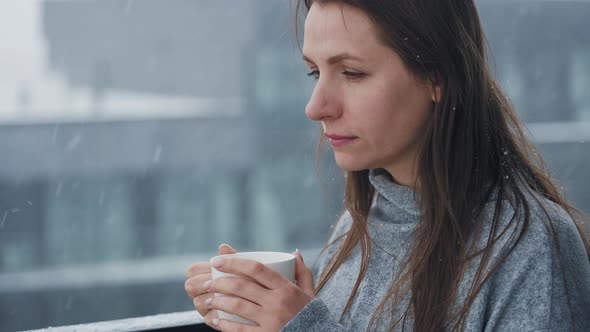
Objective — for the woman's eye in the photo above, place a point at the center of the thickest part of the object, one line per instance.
(353, 75)
(314, 73)
(349, 74)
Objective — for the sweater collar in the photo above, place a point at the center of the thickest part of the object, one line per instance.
(394, 198)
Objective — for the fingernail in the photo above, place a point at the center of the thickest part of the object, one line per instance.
(207, 284)
(298, 253)
(216, 263)
(215, 321)
(208, 302)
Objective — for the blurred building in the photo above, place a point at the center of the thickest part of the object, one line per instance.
(86, 203)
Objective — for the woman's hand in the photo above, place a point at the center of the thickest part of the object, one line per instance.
(266, 298)
(196, 275)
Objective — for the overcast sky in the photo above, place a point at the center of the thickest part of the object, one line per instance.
(21, 53)
(30, 92)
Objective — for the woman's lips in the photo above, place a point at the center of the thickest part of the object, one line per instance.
(339, 140)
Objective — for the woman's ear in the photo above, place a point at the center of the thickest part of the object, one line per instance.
(436, 93)
(436, 90)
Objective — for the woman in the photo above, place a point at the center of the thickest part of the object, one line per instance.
(451, 221)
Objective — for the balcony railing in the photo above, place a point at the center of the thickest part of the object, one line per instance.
(174, 322)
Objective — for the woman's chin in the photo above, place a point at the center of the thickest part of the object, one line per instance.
(348, 164)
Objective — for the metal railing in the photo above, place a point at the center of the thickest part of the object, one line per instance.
(174, 322)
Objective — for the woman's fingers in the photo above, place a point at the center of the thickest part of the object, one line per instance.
(198, 268)
(194, 286)
(254, 270)
(226, 249)
(197, 275)
(236, 306)
(209, 317)
(200, 303)
(240, 287)
(229, 326)
(205, 267)
(303, 275)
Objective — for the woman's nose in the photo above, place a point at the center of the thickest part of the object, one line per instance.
(321, 105)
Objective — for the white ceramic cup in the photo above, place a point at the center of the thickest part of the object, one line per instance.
(280, 262)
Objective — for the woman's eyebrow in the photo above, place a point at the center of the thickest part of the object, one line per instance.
(336, 58)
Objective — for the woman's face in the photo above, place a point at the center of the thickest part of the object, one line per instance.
(372, 109)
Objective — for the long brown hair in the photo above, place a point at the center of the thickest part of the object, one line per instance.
(475, 140)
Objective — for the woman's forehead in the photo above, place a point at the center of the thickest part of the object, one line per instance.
(334, 28)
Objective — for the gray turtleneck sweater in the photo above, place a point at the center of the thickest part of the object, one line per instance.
(527, 292)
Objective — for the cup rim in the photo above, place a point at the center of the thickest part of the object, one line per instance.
(275, 256)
